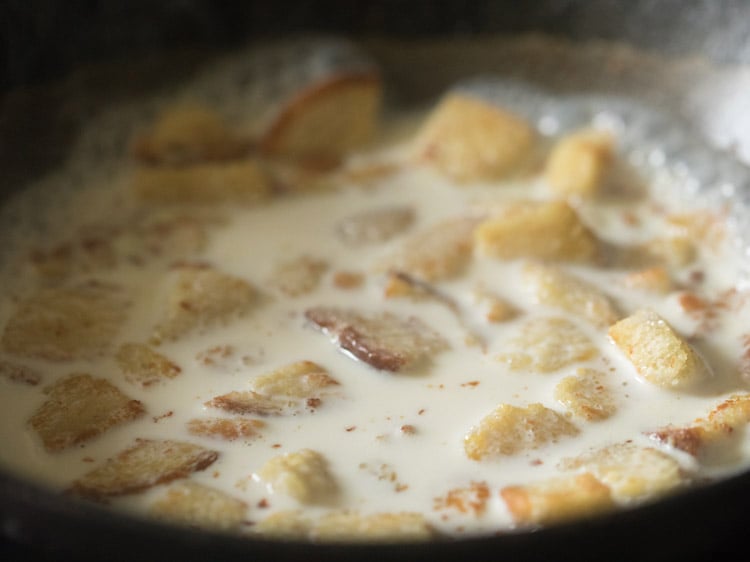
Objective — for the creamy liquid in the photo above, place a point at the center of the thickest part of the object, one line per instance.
(358, 428)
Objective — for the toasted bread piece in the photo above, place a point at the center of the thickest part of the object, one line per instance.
(374, 226)
(632, 472)
(80, 407)
(196, 505)
(249, 402)
(18, 373)
(441, 251)
(228, 429)
(144, 366)
(330, 117)
(470, 140)
(297, 276)
(557, 499)
(547, 344)
(302, 379)
(137, 239)
(347, 526)
(287, 525)
(383, 340)
(243, 182)
(188, 133)
(142, 466)
(303, 475)
(552, 286)
(719, 425)
(586, 395)
(200, 297)
(508, 430)
(658, 353)
(579, 162)
(62, 324)
(547, 231)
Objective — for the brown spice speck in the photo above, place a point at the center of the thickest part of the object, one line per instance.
(408, 429)
(262, 504)
(168, 414)
(276, 446)
(470, 383)
(350, 428)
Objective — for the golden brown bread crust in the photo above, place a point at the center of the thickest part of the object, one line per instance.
(349, 124)
(144, 366)
(384, 340)
(79, 408)
(67, 323)
(142, 466)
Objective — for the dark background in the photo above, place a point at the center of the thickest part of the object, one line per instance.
(42, 39)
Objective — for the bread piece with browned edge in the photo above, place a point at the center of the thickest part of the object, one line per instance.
(469, 139)
(144, 465)
(80, 407)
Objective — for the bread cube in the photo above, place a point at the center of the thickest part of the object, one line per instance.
(719, 425)
(196, 505)
(438, 252)
(303, 475)
(286, 525)
(144, 366)
(382, 340)
(469, 140)
(142, 466)
(374, 226)
(631, 471)
(657, 352)
(188, 133)
(586, 395)
(348, 526)
(200, 297)
(302, 379)
(551, 286)
(80, 407)
(66, 323)
(225, 428)
(330, 117)
(297, 276)
(508, 430)
(243, 182)
(579, 162)
(544, 345)
(558, 499)
(547, 231)
(249, 402)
